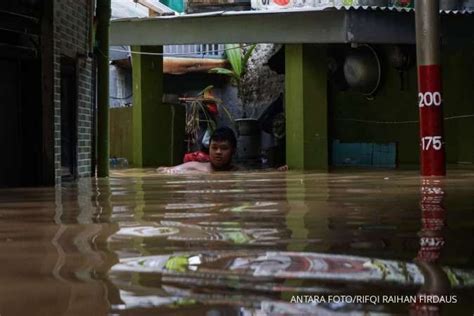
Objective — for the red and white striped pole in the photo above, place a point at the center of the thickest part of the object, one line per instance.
(432, 144)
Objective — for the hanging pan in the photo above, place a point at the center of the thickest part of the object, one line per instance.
(362, 70)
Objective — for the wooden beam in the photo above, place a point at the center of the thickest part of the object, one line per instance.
(177, 66)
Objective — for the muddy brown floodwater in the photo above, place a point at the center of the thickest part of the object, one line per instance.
(257, 243)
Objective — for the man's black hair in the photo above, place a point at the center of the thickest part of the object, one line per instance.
(223, 134)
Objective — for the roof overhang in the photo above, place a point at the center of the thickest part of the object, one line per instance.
(289, 26)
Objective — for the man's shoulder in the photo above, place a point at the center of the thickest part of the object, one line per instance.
(187, 167)
(196, 165)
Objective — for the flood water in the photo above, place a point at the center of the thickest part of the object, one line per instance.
(262, 243)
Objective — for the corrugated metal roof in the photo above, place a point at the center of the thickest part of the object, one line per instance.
(119, 52)
(293, 25)
(383, 5)
(394, 9)
(301, 6)
(302, 9)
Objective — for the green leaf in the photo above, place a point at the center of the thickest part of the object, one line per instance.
(234, 55)
(227, 72)
(222, 71)
(206, 89)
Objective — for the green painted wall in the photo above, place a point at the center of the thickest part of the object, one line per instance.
(306, 107)
(458, 81)
(121, 136)
(121, 145)
(392, 104)
(153, 141)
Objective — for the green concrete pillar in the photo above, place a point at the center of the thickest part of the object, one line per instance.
(152, 140)
(306, 107)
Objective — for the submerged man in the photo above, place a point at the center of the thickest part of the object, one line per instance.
(221, 150)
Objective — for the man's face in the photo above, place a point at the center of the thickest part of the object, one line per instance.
(220, 154)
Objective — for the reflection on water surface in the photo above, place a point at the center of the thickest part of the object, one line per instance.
(237, 244)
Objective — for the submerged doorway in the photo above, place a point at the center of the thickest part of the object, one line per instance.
(10, 127)
(68, 119)
(21, 139)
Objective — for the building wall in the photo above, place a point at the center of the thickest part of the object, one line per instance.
(353, 115)
(458, 85)
(120, 87)
(121, 140)
(121, 133)
(72, 31)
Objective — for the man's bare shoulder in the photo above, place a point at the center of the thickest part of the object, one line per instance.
(187, 167)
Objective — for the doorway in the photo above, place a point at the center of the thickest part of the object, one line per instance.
(68, 119)
(10, 127)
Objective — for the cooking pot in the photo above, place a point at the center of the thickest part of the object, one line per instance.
(362, 69)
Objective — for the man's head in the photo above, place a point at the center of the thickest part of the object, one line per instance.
(221, 148)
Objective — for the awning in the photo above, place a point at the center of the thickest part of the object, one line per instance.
(345, 25)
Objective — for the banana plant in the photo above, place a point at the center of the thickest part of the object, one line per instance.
(197, 111)
(238, 61)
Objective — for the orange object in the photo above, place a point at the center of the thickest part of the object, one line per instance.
(199, 156)
(212, 108)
